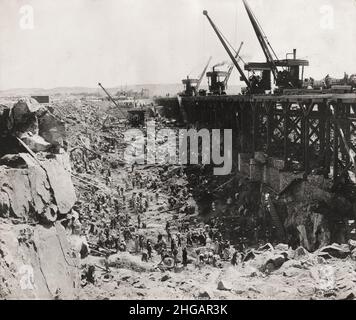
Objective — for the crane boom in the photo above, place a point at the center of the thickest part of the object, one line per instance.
(108, 94)
(243, 76)
(202, 75)
(229, 71)
(111, 99)
(262, 40)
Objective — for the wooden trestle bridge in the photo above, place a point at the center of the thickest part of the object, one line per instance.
(309, 131)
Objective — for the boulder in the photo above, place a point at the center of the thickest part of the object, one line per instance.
(281, 247)
(35, 142)
(4, 117)
(266, 247)
(346, 295)
(336, 250)
(52, 129)
(204, 295)
(324, 255)
(20, 161)
(165, 277)
(61, 184)
(300, 252)
(23, 116)
(276, 261)
(222, 286)
(353, 254)
(33, 190)
(249, 256)
(352, 244)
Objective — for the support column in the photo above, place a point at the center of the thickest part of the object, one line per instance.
(286, 107)
(336, 144)
(327, 160)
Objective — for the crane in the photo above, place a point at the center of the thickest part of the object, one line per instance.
(262, 38)
(112, 100)
(202, 75)
(229, 71)
(288, 78)
(191, 86)
(221, 38)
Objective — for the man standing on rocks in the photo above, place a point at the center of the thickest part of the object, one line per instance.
(184, 256)
(175, 253)
(149, 249)
(138, 221)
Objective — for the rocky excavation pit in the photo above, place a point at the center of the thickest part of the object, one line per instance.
(77, 222)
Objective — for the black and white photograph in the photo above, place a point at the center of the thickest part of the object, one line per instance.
(199, 151)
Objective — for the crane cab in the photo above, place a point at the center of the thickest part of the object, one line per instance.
(189, 87)
(291, 77)
(259, 75)
(216, 82)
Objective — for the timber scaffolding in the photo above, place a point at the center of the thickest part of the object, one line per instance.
(308, 132)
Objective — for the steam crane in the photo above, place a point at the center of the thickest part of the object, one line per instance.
(229, 71)
(191, 86)
(202, 75)
(221, 38)
(218, 79)
(112, 100)
(288, 78)
(262, 39)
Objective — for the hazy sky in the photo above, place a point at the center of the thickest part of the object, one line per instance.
(118, 42)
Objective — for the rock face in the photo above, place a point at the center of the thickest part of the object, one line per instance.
(28, 192)
(36, 259)
(313, 214)
(33, 123)
(37, 263)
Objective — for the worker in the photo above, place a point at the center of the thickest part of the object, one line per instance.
(138, 221)
(179, 240)
(175, 253)
(234, 259)
(140, 242)
(189, 239)
(144, 256)
(167, 226)
(137, 243)
(149, 249)
(173, 244)
(184, 256)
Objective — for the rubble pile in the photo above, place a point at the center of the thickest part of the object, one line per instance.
(158, 231)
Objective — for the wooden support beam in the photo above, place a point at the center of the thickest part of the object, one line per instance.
(254, 126)
(286, 107)
(335, 145)
(327, 147)
(269, 110)
(307, 108)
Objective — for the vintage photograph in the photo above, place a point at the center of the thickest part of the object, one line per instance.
(177, 150)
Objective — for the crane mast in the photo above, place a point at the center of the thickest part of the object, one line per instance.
(111, 99)
(262, 40)
(202, 75)
(229, 71)
(243, 76)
